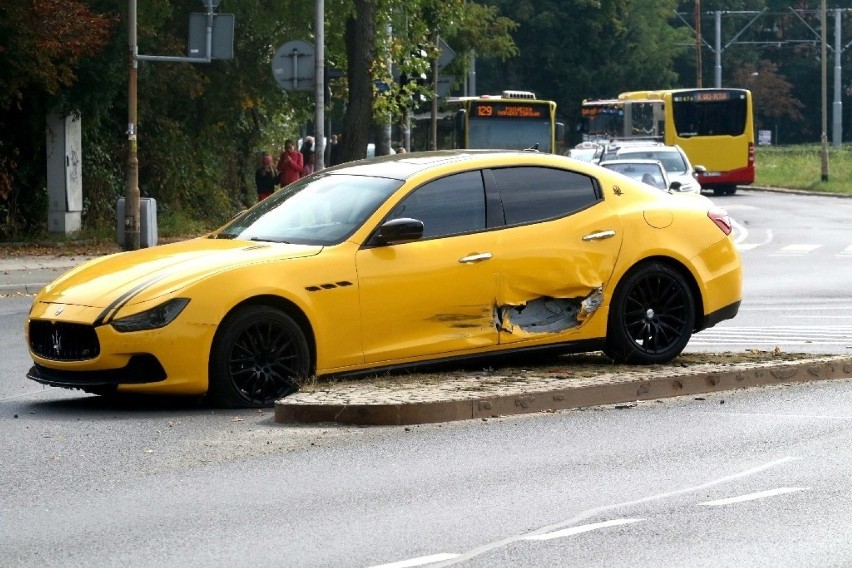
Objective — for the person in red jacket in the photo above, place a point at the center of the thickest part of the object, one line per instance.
(290, 164)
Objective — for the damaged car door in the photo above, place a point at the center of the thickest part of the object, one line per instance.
(557, 254)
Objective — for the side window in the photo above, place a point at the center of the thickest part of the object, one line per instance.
(447, 206)
(533, 193)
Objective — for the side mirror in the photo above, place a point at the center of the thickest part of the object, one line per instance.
(675, 186)
(397, 231)
(700, 169)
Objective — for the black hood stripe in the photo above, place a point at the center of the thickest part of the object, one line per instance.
(109, 312)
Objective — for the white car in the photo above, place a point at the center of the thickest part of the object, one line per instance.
(650, 172)
(673, 159)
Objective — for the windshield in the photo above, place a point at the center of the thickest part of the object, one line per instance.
(512, 134)
(317, 210)
(646, 173)
(672, 161)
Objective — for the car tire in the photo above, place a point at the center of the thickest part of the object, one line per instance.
(259, 355)
(651, 316)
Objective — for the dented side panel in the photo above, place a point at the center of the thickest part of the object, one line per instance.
(552, 280)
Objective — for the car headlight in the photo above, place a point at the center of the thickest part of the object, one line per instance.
(154, 318)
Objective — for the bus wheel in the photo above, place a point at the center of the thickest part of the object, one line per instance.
(725, 190)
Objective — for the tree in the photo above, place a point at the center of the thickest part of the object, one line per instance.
(570, 50)
(42, 45)
(771, 94)
(361, 52)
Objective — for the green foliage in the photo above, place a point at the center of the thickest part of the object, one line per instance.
(203, 126)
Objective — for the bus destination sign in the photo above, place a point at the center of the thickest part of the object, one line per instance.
(508, 110)
(707, 96)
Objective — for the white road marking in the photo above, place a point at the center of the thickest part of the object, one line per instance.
(605, 508)
(799, 335)
(741, 235)
(740, 232)
(754, 496)
(422, 561)
(582, 529)
(795, 250)
(846, 252)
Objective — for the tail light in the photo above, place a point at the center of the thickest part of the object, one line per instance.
(751, 154)
(721, 218)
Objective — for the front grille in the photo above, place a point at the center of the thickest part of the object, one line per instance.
(61, 341)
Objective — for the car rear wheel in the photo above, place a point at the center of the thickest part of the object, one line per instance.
(651, 317)
(260, 355)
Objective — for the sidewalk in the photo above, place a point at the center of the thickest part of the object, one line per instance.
(21, 275)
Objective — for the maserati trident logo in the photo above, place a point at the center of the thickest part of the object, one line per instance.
(56, 339)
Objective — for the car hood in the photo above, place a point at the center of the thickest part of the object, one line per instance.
(148, 273)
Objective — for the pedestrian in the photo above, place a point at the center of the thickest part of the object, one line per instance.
(290, 164)
(265, 177)
(334, 152)
(308, 157)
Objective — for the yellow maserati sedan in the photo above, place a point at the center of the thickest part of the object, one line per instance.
(393, 262)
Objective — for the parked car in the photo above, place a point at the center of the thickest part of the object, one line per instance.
(650, 172)
(673, 158)
(394, 261)
(586, 151)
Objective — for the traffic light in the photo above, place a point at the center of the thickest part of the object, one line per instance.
(414, 80)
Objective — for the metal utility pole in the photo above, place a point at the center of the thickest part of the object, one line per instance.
(433, 138)
(837, 107)
(131, 197)
(698, 64)
(824, 91)
(319, 88)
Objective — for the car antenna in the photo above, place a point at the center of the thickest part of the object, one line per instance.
(533, 148)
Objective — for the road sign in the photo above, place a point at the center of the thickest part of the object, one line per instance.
(446, 53)
(294, 66)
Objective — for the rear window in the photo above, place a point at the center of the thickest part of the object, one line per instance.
(532, 194)
(672, 160)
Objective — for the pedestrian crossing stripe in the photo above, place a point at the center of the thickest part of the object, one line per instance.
(792, 250)
(795, 250)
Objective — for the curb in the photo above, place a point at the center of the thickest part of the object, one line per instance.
(407, 401)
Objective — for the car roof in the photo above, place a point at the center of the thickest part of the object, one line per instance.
(648, 148)
(632, 161)
(403, 166)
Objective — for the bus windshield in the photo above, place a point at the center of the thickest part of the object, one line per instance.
(507, 133)
(695, 116)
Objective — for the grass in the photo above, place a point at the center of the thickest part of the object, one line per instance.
(800, 167)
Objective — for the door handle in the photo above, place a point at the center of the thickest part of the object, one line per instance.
(473, 258)
(599, 236)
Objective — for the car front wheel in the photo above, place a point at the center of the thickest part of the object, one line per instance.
(651, 317)
(260, 355)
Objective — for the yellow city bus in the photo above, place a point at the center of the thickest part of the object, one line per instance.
(511, 120)
(715, 127)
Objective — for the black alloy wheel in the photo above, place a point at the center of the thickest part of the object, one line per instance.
(260, 355)
(652, 316)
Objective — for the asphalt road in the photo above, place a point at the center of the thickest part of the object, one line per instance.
(751, 477)
(88, 485)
